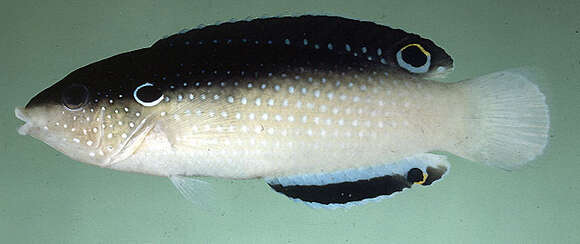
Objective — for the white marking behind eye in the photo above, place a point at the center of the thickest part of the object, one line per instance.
(146, 104)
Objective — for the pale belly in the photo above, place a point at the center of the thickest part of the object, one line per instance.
(302, 128)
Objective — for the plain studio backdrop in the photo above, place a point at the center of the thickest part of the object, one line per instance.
(46, 197)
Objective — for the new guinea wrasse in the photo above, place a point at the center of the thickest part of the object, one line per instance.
(329, 111)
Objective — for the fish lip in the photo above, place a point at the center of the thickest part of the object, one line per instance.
(20, 114)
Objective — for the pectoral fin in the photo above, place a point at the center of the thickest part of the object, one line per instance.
(196, 191)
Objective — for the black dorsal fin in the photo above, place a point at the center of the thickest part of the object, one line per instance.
(306, 41)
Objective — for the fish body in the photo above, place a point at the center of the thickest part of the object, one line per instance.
(317, 105)
(288, 125)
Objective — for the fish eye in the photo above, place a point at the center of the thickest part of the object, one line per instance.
(148, 95)
(414, 58)
(75, 96)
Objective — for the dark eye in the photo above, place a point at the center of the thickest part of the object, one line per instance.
(75, 96)
(148, 95)
(414, 58)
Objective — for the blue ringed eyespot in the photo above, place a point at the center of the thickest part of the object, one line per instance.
(414, 58)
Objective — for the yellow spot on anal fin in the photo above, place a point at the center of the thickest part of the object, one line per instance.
(424, 179)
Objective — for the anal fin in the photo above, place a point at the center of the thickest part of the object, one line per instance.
(361, 185)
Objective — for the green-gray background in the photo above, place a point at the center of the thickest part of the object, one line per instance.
(46, 197)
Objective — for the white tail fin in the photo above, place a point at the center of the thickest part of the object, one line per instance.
(507, 119)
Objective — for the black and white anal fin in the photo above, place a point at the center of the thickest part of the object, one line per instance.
(358, 186)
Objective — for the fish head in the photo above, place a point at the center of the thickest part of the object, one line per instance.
(86, 117)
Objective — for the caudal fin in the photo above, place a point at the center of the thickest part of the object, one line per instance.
(507, 119)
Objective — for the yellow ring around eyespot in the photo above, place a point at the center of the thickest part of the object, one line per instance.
(418, 46)
(424, 179)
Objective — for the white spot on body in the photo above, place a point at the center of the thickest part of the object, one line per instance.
(330, 95)
(298, 104)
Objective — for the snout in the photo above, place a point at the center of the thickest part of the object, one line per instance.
(20, 113)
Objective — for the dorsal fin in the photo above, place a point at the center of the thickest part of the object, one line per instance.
(280, 43)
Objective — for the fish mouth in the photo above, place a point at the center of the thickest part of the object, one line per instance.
(21, 114)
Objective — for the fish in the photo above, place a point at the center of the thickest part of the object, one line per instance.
(328, 111)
